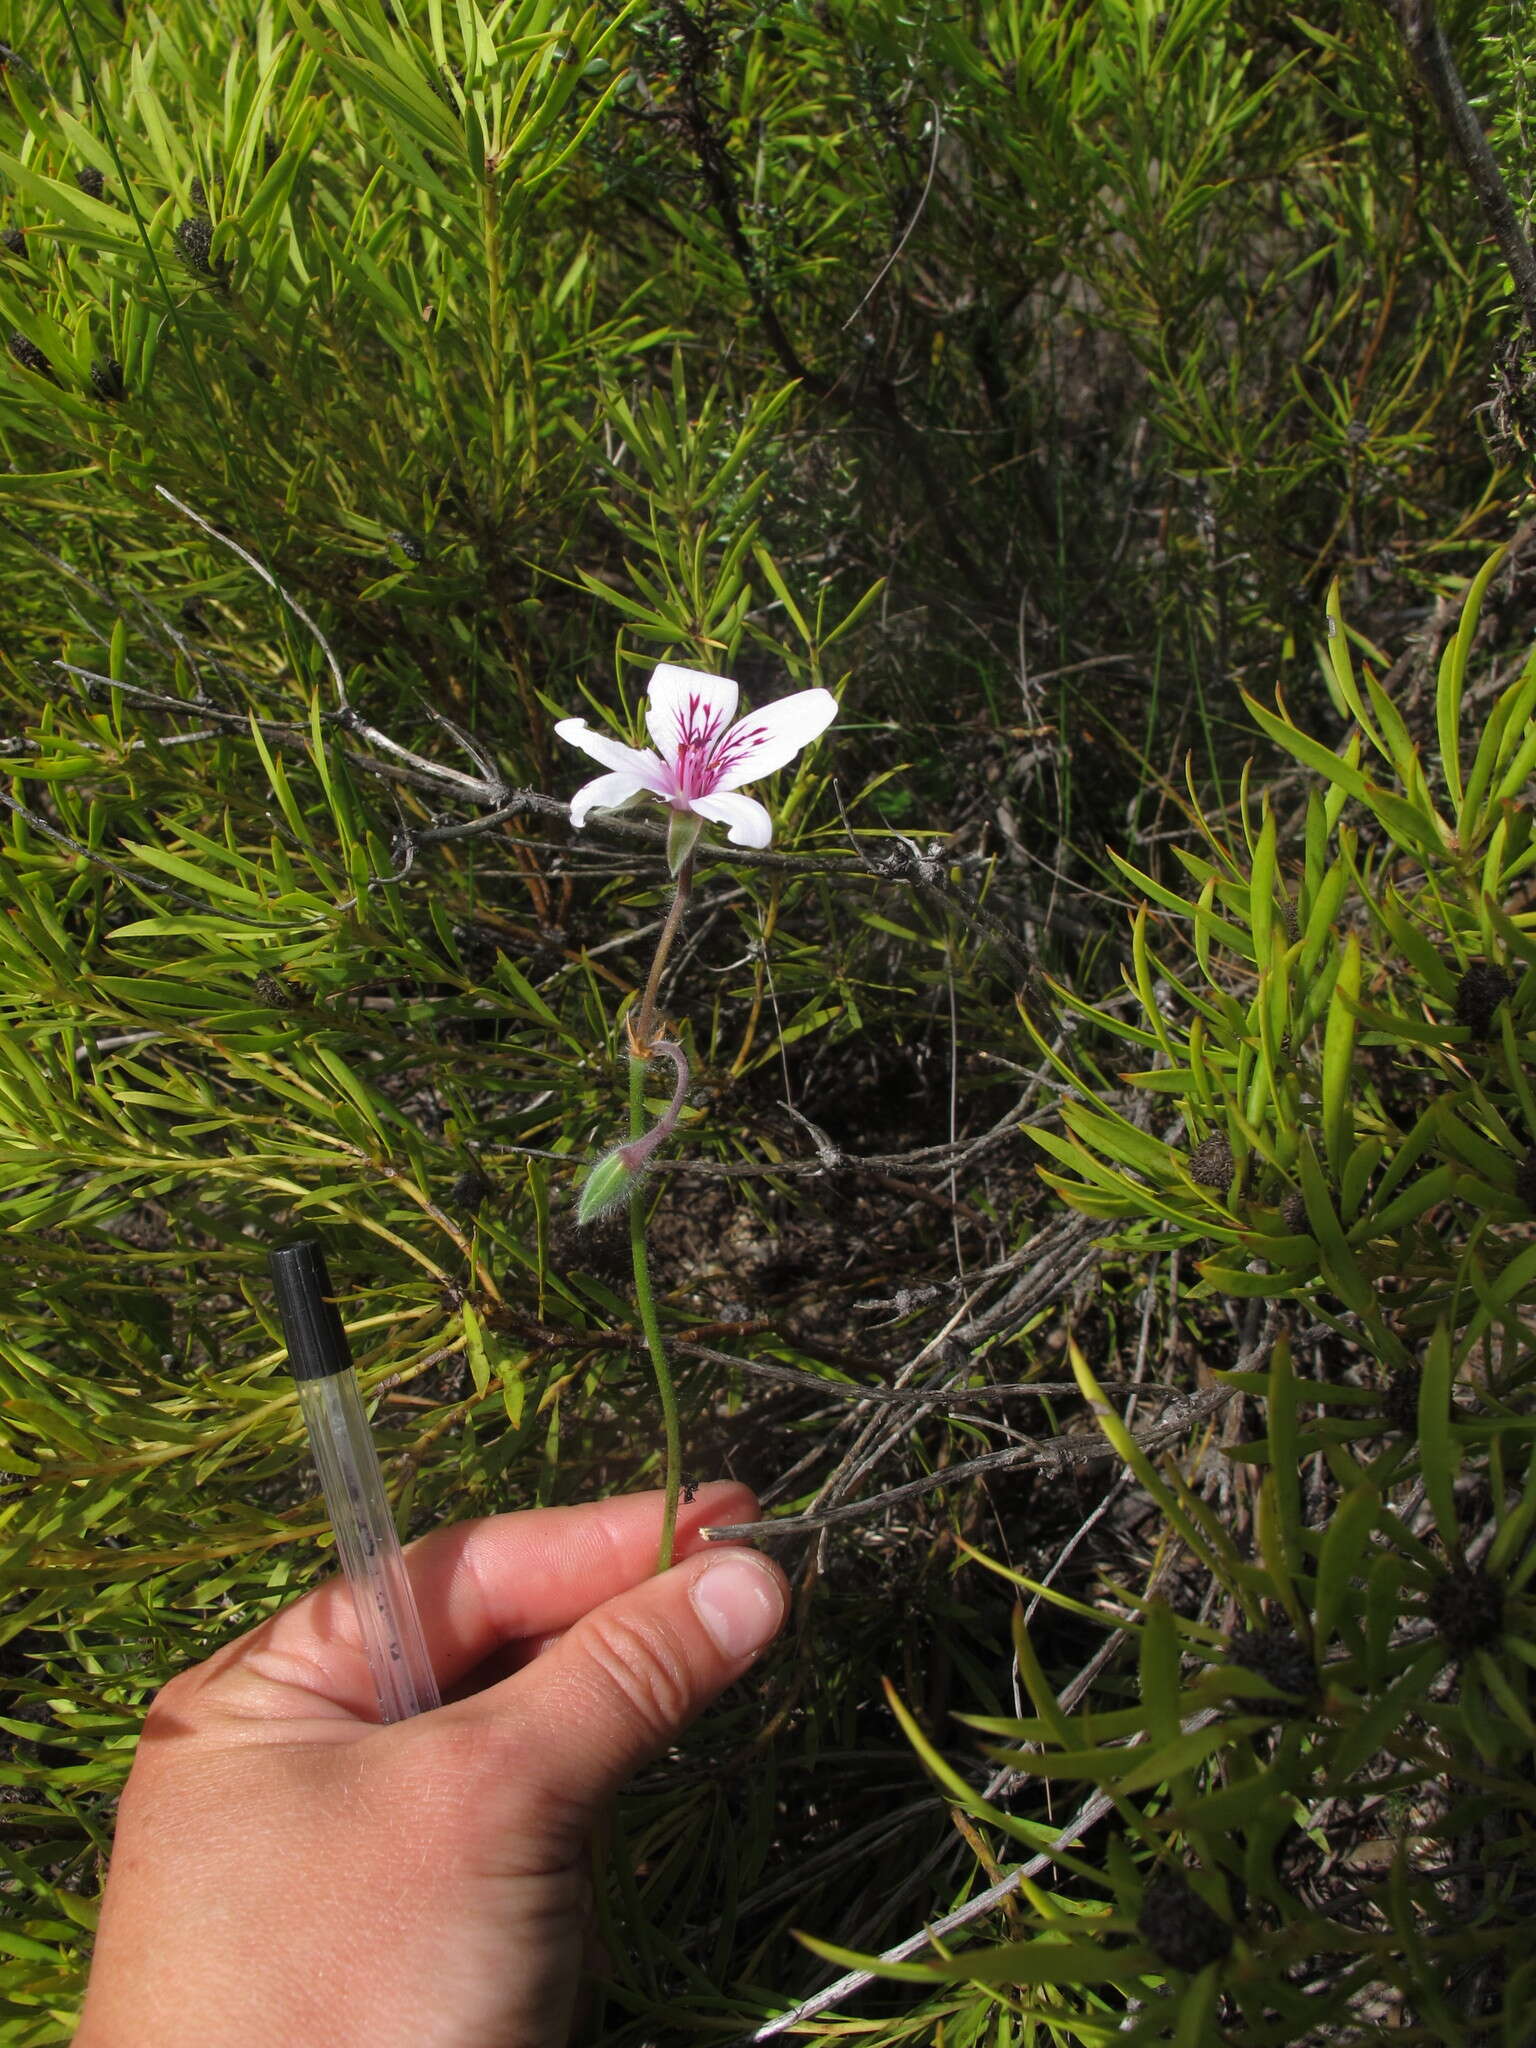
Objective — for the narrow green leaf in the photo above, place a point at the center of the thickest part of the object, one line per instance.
(1451, 682)
(1160, 1672)
(1285, 1460)
(1338, 1062)
(1036, 1684)
(1131, 1453)
(1047, 1961)
(474, 1345)
(1439, 1451)
(1339, 1558)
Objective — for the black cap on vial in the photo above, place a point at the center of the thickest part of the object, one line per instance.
(317, 1343)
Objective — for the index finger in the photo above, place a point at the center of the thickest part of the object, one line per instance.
(479, 1585)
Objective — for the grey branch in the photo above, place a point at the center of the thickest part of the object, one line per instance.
(1092, 1810)
(895, 1397)
(485, 789)
(1060, 1453)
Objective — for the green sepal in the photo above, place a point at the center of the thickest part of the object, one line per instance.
(682, 838)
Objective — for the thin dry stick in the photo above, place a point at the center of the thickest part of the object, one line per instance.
(486, 789)
(1092, 1810)
(873, 1442)
(916, 216)
(1063, 1453)
(427, 775)
(1052, 1262)
(890, 1397)
(922, 1158)
(422, 773)
(1052, 1270)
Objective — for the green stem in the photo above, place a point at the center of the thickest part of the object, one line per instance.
(650, 1325)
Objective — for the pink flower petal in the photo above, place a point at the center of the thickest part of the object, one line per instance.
(606, 793)
(613, 753)
(750, 824)
(765, 740)
(687, 707)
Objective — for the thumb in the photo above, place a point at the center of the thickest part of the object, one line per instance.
(623, 1682)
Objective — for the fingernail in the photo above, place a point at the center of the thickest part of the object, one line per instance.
(740, 1601)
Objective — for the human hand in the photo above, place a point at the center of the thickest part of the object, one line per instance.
(289, 1874)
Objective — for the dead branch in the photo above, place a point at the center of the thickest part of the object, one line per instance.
(1060, 1453)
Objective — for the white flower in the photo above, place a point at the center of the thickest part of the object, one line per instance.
(700, 759)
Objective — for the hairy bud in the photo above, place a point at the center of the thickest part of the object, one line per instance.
(1400, 1399)
(1277, 1654)
(607, 1187)
(617, 1173)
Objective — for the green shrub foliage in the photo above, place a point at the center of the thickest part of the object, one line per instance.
(1338, 1006)
(385, 379)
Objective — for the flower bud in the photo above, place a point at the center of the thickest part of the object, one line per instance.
(1400, 1400)
(1275, 1653)
(606, 1187)
(1466, 1605)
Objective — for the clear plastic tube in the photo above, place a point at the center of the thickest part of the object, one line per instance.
(342, 1443)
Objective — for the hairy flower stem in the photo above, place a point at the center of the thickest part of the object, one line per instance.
(643, 1029)
(641, 1035)
(646, 1303)
(635, 1154)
